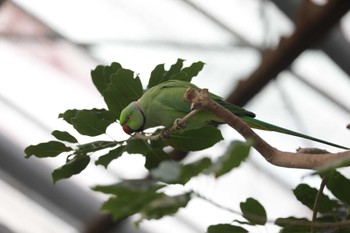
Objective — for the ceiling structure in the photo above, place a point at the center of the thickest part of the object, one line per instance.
(293, 51)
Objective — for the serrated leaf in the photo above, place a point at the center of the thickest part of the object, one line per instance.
(46, 149)
(253, 211)
(337, 183)
(174, 69)
(122, 90)
(236, 153)
(160, 75)
(106, 159)
(225, 228)
(164, 205)
(72, 167)
(92, 122)
(193, 70)
(307, 195)
(157, 76)
(101, 75)
(195, 139)
(64, 136)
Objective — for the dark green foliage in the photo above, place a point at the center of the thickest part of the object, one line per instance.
(294, 225)
(307, 195)
(254, 212)
(225, 228)
(160, 75)
(337, 184)
(64, 136)
(110, 156)
(91, 122)
(236, 153)
(46, 149)
(196, 139)
(122, 90)
(101, 75)
(72, 167)
(146, 197)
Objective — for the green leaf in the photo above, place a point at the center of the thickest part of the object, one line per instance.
(307, 195)
(131, 196)
(72, 167)
(126, 187)
(293, 225)
(92, 122)
(192, 70)
(46, 149)
(157, 76)
(153, 151)
(196, 139)
(154, 157)
(174, 69)
(253, 211)
(236, 153)
(225, 228)
(127, 205)
(68, 115)
(164, 205)
(137, 146)
(337, 183)
(64, 136)
(160, 75)
(167, 171)
(106, 159)
(101, 75)
(122, 90)
(173, 172)
(193, 169)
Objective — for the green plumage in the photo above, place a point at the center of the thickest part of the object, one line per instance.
(163, 104)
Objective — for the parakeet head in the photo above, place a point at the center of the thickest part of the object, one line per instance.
(132, 118)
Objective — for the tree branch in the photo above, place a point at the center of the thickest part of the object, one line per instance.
(178, 125)
(300, 159)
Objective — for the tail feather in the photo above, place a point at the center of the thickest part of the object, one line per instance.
(254, 123)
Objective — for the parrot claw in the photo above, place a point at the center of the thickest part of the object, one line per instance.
(179, 124)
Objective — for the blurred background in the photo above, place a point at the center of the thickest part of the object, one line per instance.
(285, 60)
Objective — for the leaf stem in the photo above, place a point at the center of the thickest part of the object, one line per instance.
(318, 196)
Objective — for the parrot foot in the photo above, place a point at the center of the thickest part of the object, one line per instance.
(179, 124)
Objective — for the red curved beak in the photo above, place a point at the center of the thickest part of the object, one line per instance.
(127, 129)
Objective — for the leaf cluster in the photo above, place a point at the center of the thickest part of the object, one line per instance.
(147, 197)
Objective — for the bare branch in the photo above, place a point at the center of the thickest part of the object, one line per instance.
(300, 159)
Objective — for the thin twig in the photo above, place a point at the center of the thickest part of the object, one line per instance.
(317, 200)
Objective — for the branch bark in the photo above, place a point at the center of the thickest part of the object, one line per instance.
(299, 159)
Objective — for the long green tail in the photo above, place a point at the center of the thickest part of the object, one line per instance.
(254, 123)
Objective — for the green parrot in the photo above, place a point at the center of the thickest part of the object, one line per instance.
(162, 104)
